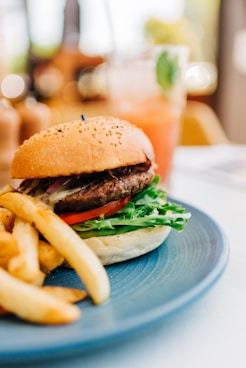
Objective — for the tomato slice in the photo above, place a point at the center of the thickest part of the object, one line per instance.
(108, 209)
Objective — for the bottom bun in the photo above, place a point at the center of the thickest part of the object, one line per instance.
(117, 248)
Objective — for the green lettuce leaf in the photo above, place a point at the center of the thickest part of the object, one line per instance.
(146, 209)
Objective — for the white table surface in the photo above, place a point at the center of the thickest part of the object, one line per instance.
(212, 331)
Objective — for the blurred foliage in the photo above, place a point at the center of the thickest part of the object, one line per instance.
(197, 29)
(178, 32)
(44, 52)
(17, 64)
(204, 14)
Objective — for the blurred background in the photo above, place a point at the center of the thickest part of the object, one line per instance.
(52, 53)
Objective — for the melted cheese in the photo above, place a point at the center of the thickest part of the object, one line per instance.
(55, 197)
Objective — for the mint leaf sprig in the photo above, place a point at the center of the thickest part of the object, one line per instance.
(167, 71)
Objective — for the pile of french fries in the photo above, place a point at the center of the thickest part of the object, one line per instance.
(33, 242)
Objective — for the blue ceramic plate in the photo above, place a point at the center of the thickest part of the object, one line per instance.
(144, 291)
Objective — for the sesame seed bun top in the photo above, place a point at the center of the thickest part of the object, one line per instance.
(93, 145)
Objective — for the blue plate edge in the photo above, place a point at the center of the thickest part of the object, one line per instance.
(143, 322)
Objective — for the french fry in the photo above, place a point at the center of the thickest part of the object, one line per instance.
(32, 303)
(39, 280)
(2, 227)
(6, 189)
(64, 239)
(6, 218)
(25, 265)
(49, 258)
(69, 295)
(8, 246)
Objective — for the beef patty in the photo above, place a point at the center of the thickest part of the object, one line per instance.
(84, 192)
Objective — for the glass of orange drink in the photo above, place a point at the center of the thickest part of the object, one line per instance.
(147, 88)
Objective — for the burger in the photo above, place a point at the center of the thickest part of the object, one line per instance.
(98, 175)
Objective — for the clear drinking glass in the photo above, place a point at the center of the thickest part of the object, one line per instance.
(147, 88)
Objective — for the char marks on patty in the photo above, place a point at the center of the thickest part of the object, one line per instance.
(93, 190)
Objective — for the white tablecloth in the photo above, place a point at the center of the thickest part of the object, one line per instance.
(210, 333)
